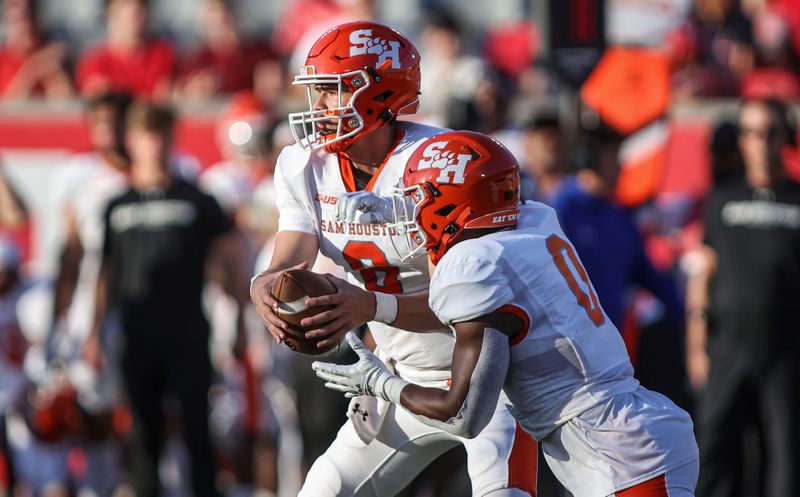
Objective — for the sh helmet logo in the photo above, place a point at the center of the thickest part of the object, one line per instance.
(363, 43)
(452, 165)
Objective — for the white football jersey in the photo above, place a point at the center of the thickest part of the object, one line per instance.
(570, 356)
(570, 379)
(308, 185)
(85, 186)
(569, 375)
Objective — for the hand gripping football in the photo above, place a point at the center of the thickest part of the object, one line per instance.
(291, 290)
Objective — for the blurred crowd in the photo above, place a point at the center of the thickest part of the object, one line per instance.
(200, 49)
(692, 314)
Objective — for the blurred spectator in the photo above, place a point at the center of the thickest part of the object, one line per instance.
(81, 190)
(269, 85)
(742, 345)
(78, 192)
(605, 236)
(448, 74)
(543, 167)
(511, 48)
(38, 467)
(224, 63)
(244, 137)
(746, 48)
(243, 132)
(159, 236)
(777, 64)
(128, 60)
(297, 19)
(29, 64)
(486, 110)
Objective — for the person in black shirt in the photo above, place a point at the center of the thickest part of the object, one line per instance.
(159, 237)
(743, 319)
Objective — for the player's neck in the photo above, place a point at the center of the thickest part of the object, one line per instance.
(368, 153)
(150, 176)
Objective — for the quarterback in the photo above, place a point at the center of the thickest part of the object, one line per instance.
(360, 77)
(527, 322)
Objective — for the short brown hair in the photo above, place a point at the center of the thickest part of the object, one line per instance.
(151, 117)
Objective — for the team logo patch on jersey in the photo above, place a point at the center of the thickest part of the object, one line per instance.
(450, 164)
(363, 43)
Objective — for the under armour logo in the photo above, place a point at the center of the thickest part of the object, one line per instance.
(363, 43)
(363, 414)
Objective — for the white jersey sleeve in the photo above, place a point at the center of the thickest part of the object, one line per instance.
(292, 215)
(467, 287)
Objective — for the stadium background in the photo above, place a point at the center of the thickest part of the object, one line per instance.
(663, 73)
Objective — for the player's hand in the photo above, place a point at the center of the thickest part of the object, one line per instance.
(266, 305)
(366, 377)
(363, 207)
(353, 306)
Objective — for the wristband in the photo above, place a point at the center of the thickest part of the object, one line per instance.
(255, 277)
(385, 308)
(392, 388)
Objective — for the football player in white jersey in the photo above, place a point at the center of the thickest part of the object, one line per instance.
(528, 322)
(360, 77)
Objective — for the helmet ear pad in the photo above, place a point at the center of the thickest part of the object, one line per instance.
(381, 103)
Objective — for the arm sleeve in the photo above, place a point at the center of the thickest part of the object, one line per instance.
(292, 215)
(484, 389)
(466, 288)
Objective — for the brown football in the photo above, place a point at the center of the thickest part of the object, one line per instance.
(291, 290)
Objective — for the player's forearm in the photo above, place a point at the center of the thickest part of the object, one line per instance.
(414, 313)
(101, 299)
(67, 278)
(293, 248)
(698, 295)
(461, 413)
(480, 363)
(433, 403)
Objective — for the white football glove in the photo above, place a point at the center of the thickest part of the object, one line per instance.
(368, 376)
(363, 207)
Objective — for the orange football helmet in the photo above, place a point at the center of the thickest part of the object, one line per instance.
(377, 65)
(455, 182)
